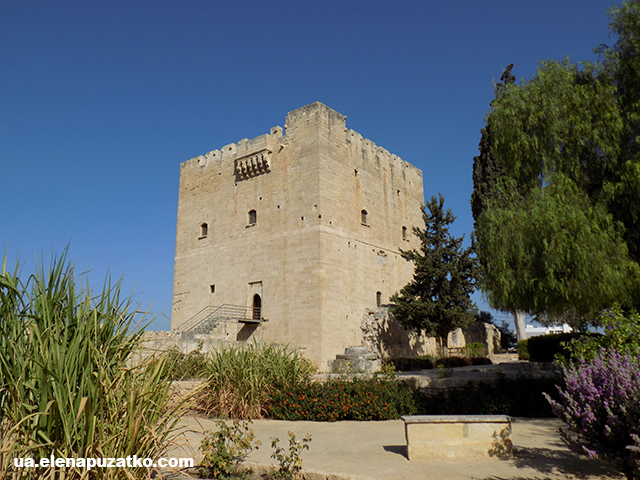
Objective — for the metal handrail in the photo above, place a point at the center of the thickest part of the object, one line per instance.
(195, 320)
(226, 311)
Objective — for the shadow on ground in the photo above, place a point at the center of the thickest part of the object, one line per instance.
(398, 449)
(556, 462)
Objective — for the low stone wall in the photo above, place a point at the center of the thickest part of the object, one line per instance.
(158, 342)
(457, 436)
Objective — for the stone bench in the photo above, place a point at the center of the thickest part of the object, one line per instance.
(457, 436)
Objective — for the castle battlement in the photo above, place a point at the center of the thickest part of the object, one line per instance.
(297, 120)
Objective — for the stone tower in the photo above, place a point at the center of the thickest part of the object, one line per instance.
(305, 224)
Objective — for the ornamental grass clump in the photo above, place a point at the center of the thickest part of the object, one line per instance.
(243, 378)
(601, 409)
(68, 387)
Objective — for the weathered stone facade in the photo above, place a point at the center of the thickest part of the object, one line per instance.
(308, 220)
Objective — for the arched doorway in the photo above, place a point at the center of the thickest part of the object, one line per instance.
(257, 306)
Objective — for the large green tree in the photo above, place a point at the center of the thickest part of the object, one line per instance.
(553, 253)
(557, 236)
(621, 64)
(437, 300)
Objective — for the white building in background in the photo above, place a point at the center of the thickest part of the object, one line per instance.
(535, 331)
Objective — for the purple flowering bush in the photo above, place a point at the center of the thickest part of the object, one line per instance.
(601, 408)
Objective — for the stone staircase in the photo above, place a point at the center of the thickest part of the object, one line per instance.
(207, 319)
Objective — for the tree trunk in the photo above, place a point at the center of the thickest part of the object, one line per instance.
(518, 319)
(444, 343)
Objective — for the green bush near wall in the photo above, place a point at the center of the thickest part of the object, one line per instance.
(544, 348)
(381, 398)
(411, 364)
(427, 362)
(519, 397)
(523, 350)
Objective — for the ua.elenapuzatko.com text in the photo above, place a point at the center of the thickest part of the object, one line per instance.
(131, 461)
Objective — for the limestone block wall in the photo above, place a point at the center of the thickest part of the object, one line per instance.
(310, 219)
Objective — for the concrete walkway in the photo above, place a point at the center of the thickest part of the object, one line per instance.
(376, 450)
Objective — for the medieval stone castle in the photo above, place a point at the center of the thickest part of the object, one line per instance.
(294, 234)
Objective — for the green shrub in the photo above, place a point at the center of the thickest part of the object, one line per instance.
(523, 350)
(452, 362)
(388, 370)
(481, 361)
(621, 334)
(427, 362)
(444, 372)
(344, 399)
(544, 348)
(68, 384)
(410, 364)
(385, 399)
(290, 463)
(243, 378)
(519, 397)
(475, 350)
(224, 450)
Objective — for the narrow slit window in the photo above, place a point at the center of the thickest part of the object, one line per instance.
(363, 217)
(204, 230)
(378, 299)
(253, 217)
(404, 233)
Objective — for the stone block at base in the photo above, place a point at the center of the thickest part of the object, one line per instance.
(457, 436)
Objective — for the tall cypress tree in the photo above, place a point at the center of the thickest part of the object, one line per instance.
(487, 168)
(437, 300)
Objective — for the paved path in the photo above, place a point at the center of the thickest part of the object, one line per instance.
(375, 450)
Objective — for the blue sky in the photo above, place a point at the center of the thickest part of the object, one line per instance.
(102, 101)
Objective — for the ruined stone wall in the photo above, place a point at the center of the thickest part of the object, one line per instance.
(310, 255)
(485, 333)
(383, 335)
